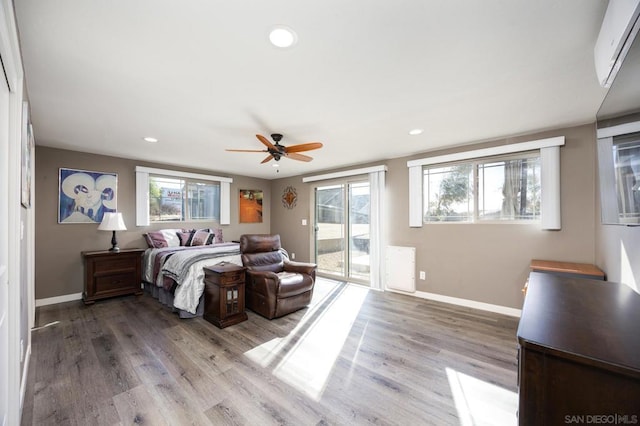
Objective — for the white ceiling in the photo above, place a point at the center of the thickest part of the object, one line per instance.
(201, 76)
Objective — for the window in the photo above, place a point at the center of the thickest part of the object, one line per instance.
(509, 189)
(172, 196)
(448, 193)
(489, 189)
(176, 199)
(619, 175)
(538, 198)
(626, 157)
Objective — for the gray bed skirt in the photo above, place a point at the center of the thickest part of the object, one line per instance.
(166, 298)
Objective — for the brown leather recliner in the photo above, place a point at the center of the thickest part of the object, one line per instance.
(274, 285)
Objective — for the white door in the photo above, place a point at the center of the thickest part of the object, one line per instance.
(4, 231)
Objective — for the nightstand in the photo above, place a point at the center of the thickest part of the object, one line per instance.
(224, 294)
(109, 274)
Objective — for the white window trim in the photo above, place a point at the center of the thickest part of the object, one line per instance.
(621, 129)
(142, 192)
(346, 173)
(549, 176)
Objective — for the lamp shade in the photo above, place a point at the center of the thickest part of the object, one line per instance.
(112, 222)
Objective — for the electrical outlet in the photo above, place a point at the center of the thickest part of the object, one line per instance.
(293, 256)
(423, 275)
(304, 222)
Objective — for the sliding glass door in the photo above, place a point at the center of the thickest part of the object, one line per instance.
(342, 230)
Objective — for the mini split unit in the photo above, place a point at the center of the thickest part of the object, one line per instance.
(619, 28)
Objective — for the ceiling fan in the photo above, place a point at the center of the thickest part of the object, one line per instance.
(277, 151)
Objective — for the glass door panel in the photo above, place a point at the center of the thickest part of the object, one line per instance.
(330, 230)
(359, 237)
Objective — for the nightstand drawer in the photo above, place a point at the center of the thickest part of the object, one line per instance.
(234, 277)
(111, 264)
(111, 282)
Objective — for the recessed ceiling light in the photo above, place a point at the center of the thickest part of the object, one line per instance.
(282, 36)
(275, 165)
(415, 132)
(150, 139)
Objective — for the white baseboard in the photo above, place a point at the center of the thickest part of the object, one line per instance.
(464, 302)
(58, 299)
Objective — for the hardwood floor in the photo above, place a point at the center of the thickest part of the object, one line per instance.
(353, 357)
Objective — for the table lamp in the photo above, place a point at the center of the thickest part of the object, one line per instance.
(113, 222)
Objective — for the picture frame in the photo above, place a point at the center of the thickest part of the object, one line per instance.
(250, 205)
(84, 196)
(26, 157)
(289, 197)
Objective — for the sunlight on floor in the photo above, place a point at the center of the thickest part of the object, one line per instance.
(626, 271)
(482, 403)
(320, 336)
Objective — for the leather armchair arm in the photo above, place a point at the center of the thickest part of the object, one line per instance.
(300, 267)
(263, 282)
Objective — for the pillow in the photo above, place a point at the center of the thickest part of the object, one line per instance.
(217, 239)
(201, 237)
(185, 238)
(171, 236)
(163, 238)
(155, 240)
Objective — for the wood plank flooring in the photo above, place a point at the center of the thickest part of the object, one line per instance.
(353, 357)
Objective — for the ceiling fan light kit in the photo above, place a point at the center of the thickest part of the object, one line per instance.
(277, 151)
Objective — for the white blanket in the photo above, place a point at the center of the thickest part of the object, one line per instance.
(186, 268)
(187, 294)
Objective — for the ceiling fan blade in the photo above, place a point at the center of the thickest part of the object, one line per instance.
(246, 150)
(269, 158)
(303, 147)
(266, 142)
(299, 157)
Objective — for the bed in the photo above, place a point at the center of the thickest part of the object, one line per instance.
(174, 274)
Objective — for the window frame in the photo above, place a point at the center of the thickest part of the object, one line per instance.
(186, 201)
(142, 193)
(551, 218)
(609, 139)
(475, 164)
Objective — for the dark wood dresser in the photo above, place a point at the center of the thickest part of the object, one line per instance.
(579, 352)
(109, 273)
(567, 269)
(224, 294)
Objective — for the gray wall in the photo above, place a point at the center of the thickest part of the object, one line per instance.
(482, 262)
(59, 269)
(295, 237)
(618, 253)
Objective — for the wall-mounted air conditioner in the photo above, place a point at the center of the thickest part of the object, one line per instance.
(619, 28)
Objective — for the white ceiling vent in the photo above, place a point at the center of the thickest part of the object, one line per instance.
(619, 28)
